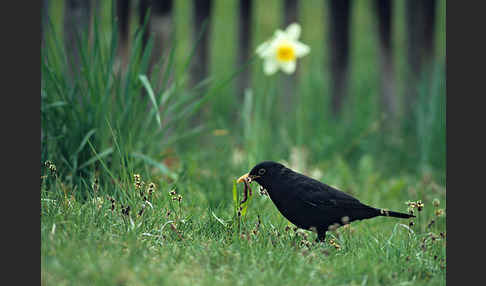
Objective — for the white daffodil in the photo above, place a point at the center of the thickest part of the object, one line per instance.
(282, 50)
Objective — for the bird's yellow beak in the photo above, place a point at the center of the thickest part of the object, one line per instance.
(247, 178)
(243, 178)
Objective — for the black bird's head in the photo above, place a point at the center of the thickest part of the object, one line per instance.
(264, 173)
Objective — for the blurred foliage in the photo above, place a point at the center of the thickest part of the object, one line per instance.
(259, 129)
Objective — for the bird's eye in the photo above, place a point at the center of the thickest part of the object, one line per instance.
(261, 171)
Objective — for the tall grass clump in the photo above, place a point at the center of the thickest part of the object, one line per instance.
(95, 114)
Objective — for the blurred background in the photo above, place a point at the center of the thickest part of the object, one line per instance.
(175, 88)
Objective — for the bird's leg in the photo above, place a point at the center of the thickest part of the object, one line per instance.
(321, 235)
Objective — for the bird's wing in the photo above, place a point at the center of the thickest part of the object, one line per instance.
(320, 195)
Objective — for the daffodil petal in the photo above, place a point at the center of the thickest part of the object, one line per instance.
(267, 49)
(293, 31)
(270, 66)
(288, 67)
(301, 49)
(279, 33)
(262, 48)
(281, 36)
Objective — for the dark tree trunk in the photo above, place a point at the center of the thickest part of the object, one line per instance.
(201, 34)
(430, 12)
(76, 23)
(291, 12)
(339, 24)
(388, 97)
(159, 26)
(143, 12)
(200, 60)
(420, 32)
(123, 21)
(244, 44)
(159, 19)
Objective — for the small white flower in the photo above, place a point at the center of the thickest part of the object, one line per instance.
(282, 50)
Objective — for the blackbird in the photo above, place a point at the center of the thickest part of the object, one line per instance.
(308, 203)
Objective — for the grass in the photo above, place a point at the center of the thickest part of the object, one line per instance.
(104, 126)
(189, 242)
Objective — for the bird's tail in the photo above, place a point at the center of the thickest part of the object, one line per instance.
(370, 212)
(384, 212)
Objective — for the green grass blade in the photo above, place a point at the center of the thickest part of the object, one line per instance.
(236, 203)
(151, 95)
(161, 166)
(97, 157)
(85, 140)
